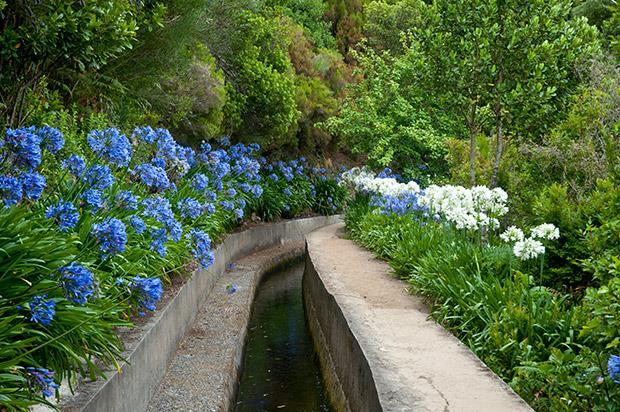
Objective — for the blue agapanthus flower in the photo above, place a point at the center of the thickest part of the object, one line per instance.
(152, 176)
(244, 187)
(33, 184)
(200, 182)
(405, 203)
(42, 310)
(256, 191)
(126, 200)
(64, 213)
(159, 237)
(111, 145)
(227, 205)
(111, 235)
(220, 169)
(137, 224)
(25, 146)
(75, 164)
(175, 229)
(51, 138)
(158, 208)
(210, 196)
(189, 208)
(159, 162)
(613, 368)
(210, 208)
(10, 190)
(93, 199)
(99, 177)
(148, 290)
(274, 177)
(287, 192)
(201, 247)
(231, 192)
(145, 134)
(78, 282)
(41, 379)
(238, 213)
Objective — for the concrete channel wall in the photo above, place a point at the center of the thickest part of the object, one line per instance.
(377, 346)
(131, 386)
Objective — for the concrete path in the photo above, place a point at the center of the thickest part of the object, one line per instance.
(416, 365)
(204, 372)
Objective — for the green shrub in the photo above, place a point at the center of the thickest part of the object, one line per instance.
(552, 349)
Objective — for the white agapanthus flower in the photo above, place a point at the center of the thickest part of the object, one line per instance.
(512, 234)
(529, 248)
(546, 231)
(363, 180)
(471, 209)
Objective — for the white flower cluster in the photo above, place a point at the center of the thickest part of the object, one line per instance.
(546, 231)
(472, 209)
(365, 181)
(531, 247)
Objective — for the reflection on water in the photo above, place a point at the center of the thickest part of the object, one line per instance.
(280, 368)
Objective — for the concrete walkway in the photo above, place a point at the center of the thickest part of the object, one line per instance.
(368, 320)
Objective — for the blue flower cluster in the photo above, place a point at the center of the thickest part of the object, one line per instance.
(75, 165)
(42, 310)
(24, 147)
(189, 208)
(152, 176)
(64, 214)
(33, 184)
(613, 368)
(201, 247)
(99, 177)
(406, 203)
(111, 145)
(41, 379)
(148, 290)
(137, 224)
(111, 236)
(126, 200)
(10, 190)
(93, 199)
(78, 282)
(51, 139)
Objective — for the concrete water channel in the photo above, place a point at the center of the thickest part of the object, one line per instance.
(238, 337)
(281, 370)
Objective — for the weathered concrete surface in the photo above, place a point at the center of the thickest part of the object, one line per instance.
(131, 388)
(205, 370)
(385, 351)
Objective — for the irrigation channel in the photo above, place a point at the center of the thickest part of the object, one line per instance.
(280, 368)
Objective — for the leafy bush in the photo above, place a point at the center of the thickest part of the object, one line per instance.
(551, 348)
(88, 240)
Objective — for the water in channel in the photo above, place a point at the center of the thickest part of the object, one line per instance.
(280, 368)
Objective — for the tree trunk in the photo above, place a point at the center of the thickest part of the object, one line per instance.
(473, 133)
(498, 149)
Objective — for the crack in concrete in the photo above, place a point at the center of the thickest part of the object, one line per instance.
(430, 381)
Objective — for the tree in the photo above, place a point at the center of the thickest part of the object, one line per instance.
(59, 39)
(513, 60)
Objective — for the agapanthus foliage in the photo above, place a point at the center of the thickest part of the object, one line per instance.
(77, 226)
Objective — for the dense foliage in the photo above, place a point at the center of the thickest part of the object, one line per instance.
(89, 240)
(523, 96)
(488, 286)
